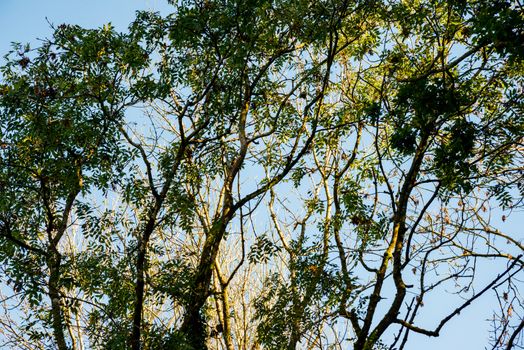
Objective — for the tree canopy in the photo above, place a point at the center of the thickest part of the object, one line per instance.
(264, 175)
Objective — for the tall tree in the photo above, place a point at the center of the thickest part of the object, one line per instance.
(264, 174)
(60, 109)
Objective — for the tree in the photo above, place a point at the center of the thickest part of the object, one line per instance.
(60, 108)
(263, 174)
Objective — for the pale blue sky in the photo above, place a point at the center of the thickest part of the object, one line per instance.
(25, 21)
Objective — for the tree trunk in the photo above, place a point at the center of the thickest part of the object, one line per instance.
(193, 326)
(54, 294)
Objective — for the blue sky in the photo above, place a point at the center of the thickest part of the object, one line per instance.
(26, 20)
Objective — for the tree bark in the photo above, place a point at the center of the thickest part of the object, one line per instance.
(54, 294)
(193, 326)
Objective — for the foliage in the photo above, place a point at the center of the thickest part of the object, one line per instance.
(299, 174)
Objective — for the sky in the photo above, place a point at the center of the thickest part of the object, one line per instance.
(27, 20)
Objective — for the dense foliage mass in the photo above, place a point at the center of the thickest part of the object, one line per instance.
(264, 175)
